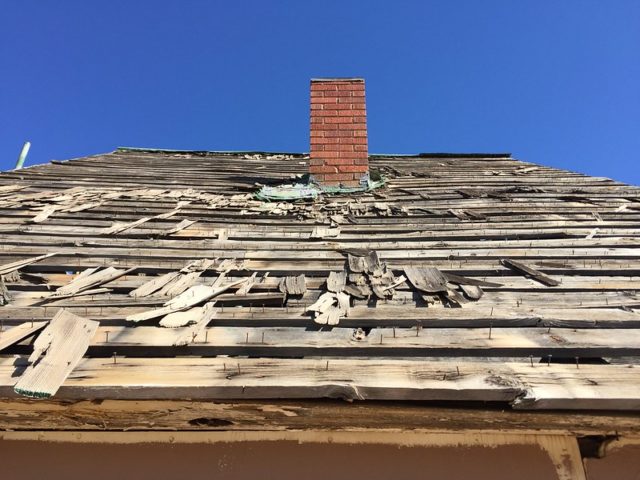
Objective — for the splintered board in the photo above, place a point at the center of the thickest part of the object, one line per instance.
(512, 282)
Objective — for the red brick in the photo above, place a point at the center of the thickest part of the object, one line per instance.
(339, 161)
(322, 169)
(345, 147)
(348, 112)
(338, 120)
(338, 93)
(324, 126)
(338, 139)
(338, 176)
(338, 106)
(326, 141)
(352, 169)
(339, 147)
(329, 155)
(318, 86)
(315, 100)
(324, 113)
(339, 133)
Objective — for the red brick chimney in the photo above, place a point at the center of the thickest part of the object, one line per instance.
(338, 154)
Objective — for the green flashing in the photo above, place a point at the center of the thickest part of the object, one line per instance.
(311, 191)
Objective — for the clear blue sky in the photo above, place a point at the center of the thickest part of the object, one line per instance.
(553, 82)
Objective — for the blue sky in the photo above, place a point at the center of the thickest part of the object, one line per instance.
(553, 82)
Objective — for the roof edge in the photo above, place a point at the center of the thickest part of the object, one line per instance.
(263, 152)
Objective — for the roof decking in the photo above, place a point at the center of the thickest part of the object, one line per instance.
(536, 281)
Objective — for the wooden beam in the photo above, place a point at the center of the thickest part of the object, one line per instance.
(22, 414)
(558, 386)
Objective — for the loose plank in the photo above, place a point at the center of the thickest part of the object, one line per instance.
(594, 387)
(57, 351)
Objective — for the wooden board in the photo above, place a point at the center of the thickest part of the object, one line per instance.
(57, 351)
(570, 245)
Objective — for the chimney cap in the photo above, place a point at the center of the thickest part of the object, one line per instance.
(338, 79)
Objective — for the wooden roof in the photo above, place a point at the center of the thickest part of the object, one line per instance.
(467, 278)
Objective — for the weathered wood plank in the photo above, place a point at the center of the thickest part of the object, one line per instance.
(593, 387)
(57, 351)
(379, 342)
(532, 272)
(16, 334)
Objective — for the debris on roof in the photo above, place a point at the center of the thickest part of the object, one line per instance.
(529, 272)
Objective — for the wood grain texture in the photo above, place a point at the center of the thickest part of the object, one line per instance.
(530, 260)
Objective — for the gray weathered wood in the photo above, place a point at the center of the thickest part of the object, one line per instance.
(57, 351)
(532, 272)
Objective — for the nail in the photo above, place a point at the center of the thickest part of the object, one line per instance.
(577, 362)
(327, 366)
(490, 328)
(458, 370)
(531, 359)
(115, 358)
(548, 360)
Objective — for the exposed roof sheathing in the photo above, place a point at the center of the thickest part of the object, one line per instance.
(469, 277)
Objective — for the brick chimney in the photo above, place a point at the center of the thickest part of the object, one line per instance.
(338, 153)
